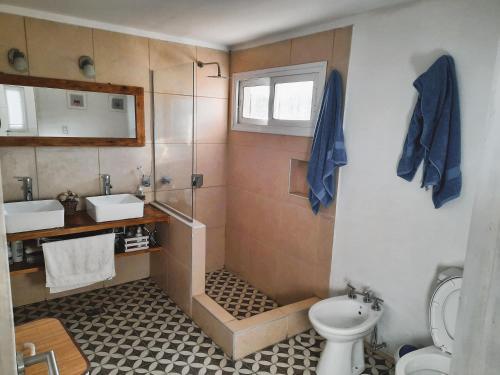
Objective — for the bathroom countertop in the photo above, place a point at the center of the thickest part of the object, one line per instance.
(49, 334)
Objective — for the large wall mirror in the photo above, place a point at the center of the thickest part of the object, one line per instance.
(53, 112)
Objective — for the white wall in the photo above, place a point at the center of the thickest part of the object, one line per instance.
(477, 346)
(387, 233)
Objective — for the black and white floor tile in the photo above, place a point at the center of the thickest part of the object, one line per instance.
(235, 295)
(142, 331)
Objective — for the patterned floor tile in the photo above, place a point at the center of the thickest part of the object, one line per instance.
(142, 331)
(236, 296)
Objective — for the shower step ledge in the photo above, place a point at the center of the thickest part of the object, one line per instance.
(238, 338)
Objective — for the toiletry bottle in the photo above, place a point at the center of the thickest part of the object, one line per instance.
(10, 253)
(17, 251)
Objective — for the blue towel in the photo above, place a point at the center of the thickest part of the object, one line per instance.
(434, 133)
(328, 150)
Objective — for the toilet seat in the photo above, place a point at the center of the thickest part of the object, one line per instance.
(443, 311)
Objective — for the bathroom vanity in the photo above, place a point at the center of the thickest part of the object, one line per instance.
(82, 223)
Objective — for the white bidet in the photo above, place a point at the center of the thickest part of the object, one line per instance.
(343, 322)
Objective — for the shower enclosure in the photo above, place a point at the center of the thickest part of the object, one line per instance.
(173, 135)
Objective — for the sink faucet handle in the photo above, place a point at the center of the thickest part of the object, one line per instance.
(22, 178)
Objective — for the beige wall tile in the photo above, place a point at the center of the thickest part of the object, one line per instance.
(177, 80)
(214, 309)
(342, 52)
(256, 321)
(12, 35)
(121, 164)
(252, 340)
(54, 49)
(180, 200)
(177, 238)
(262, 57)
(213, 327)
(205, 85)
(28, 288)
(312, 48)
(254, 214)
(164, 55)
(298, 232)
(210, 206)
(158, 268)
(175, 162)
(174, 118)
(198, 259)
(236, 255)
(211, 120)
(211, 162)
(295, 279)
(263, 262)
(130, 268)
(215, 245)
(260, 170)
(17, 161)
(121, 59)
(297, 316)
(148, 121)
(179, 284)
(63, 168)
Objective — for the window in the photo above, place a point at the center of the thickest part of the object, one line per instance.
(279, 100)
(16, 108)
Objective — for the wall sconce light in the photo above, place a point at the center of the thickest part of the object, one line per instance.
(86, 65)
(17, 60)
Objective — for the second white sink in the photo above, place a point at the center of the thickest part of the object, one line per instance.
(114, 207)
(33, 215)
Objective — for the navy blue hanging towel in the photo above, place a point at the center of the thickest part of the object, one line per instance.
(328, 149)
(434, 133)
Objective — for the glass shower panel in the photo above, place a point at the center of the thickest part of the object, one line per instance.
(173, 134)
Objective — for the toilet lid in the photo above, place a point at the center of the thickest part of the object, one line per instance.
(443, 313)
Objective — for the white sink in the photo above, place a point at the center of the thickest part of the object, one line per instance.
(114, 207)
(33, 215)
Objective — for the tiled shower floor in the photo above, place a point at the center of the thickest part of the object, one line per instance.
(235, 295)
(142, 331)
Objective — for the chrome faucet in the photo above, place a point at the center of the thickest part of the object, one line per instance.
(49, 357)
(27, 187)
(106, 184)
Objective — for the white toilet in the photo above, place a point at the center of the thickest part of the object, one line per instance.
(443, 309)
(343, 322)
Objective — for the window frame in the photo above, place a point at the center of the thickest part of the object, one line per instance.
(22, 94)
(274, 76)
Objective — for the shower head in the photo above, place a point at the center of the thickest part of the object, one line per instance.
(219, 75)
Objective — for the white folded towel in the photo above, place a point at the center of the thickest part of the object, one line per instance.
(76, 263)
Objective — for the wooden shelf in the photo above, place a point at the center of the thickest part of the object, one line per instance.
(24, 268)
(81, 223)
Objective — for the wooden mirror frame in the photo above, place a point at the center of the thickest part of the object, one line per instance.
(138, 92)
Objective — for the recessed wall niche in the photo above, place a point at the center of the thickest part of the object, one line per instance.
(298, 178)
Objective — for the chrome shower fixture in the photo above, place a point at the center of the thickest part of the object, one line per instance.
(201, 64)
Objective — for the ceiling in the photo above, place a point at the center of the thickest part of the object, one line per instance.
(223, 23)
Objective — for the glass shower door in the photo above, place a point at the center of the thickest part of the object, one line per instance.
(173, 135)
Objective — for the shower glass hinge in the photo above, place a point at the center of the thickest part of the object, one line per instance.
(197, 181)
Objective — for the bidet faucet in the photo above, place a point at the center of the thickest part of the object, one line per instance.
(27, 187)
(351, 291)
(106, 184)
(376, 303)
